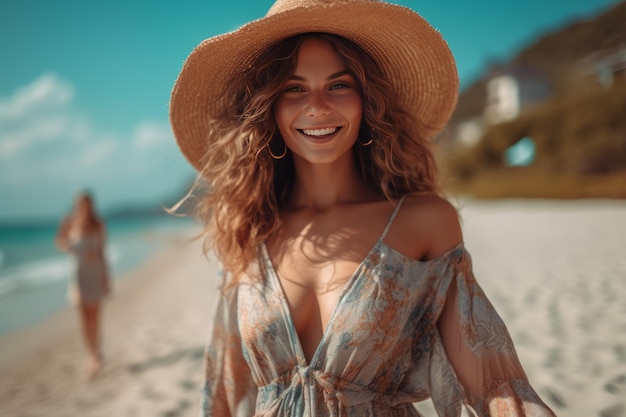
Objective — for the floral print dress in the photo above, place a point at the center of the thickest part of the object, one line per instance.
(402, 331)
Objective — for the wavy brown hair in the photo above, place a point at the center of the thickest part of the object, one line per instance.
(247, 188)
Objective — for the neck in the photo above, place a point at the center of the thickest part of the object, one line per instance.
(322, 186)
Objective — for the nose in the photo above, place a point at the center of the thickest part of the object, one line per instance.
(317, 105)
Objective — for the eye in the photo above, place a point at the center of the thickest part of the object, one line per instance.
(339, 85)
(293, 89)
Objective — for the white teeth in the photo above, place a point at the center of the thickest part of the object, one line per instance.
(319, 132)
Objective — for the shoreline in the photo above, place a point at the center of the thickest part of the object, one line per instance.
(34, 280)
(155, 321)
(63, 321)
(554, 270)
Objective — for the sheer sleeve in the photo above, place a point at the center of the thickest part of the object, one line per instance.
(481, 352)
(228, 389)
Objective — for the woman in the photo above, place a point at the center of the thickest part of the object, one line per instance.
(82, 234)
(347, 289)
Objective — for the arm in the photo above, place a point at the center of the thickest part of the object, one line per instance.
(475, 340)
(103, 245)
(228, 389)
(61, 240)
(481, 352)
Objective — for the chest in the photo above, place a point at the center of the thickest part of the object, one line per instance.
(313, 277)
(367, 312)
(315, 255)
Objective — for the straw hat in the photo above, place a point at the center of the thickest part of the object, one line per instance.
(411, 53)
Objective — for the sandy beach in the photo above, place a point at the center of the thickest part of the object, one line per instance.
(555, 270)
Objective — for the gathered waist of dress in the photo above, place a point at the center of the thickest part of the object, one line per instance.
(338, 394)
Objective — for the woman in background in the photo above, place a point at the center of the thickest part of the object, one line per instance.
(82, 234)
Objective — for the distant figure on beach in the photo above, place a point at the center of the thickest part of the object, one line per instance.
(347, 289)
(82, 234)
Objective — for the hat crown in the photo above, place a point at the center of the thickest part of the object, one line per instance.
(281, 6)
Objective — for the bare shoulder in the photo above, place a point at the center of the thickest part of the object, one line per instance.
(430, 208)
(427, 226)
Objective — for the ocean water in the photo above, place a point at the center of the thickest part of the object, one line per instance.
(34, 275)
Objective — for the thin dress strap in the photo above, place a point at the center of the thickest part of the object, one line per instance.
(392, 218)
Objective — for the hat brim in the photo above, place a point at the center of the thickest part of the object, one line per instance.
(409, 51)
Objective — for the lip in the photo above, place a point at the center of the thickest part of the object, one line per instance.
(320, 139)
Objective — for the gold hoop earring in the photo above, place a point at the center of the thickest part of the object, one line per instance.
(281, 156)
(368, 143)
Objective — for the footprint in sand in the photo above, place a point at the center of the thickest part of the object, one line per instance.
(617, 385)
(614, 411)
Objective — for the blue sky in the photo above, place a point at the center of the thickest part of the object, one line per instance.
(84, 86)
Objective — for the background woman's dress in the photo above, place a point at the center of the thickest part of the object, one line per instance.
(91, 274)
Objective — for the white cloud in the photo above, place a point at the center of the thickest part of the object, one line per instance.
(29, 133)
(36, 113)
(48, 91)
(100, 151)
(46, 143)
(151, 134)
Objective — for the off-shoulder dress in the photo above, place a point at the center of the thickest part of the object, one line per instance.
(403, 331)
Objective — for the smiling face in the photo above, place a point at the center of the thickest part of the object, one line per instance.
(319, 110)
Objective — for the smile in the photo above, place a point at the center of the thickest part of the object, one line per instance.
(319, 132)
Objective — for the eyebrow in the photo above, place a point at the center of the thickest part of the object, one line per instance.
(330, 77)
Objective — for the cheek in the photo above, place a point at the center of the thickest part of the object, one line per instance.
(354, 110)
(283, 115)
